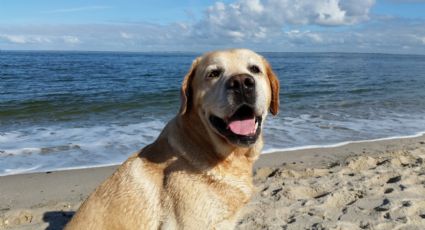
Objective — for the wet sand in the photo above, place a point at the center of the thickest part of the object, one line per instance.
(365, 185)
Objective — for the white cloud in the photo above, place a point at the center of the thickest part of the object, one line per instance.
(244, 17)
(303, 36)
(356, 11)
(236, 35)
(266, 25)
(135, 36)
(39, 39)
(255, 6)
(14, 38)
(71, 39)
(387, 36)
(126, 35)
(329, 13)
(25, 39)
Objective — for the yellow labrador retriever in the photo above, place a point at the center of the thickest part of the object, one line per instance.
(198, 173)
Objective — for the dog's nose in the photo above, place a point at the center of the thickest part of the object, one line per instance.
(242, 85)
(241, 82)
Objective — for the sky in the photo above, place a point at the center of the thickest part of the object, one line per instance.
(370, 26)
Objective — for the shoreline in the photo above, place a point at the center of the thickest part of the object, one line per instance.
(339, 144)
(264, 152)
(37, 200)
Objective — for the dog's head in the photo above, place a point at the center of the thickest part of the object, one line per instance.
(231, 91)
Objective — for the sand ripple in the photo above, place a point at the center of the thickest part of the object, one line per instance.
(384, 191)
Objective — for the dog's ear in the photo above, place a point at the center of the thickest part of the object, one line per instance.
(186, 89)
(274, 86)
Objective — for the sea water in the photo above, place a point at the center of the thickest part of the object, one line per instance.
(84, 109)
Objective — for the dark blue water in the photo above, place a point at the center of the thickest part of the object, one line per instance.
(78, 109)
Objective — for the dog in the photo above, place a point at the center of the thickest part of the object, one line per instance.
(198, 173)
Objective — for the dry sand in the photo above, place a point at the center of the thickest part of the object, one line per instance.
(367, 185)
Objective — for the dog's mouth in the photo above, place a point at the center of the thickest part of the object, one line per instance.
(241, 128)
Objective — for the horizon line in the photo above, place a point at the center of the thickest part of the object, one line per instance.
(200, 52)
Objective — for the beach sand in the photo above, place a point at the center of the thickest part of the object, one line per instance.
(364, 185)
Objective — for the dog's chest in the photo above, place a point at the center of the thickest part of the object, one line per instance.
(205, 200)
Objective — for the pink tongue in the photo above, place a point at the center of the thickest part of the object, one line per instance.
(243, 127)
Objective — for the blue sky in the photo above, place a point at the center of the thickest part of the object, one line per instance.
(385, 26)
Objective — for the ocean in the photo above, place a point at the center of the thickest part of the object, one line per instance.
(62, 110)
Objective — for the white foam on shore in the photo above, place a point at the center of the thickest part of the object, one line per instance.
(8, 172)
(54, 148)
(86, 167)
(40, 149)
(274, 150)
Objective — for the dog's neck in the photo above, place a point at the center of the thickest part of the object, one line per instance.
(195, 145)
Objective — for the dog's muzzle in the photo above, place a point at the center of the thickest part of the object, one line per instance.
(242, 128)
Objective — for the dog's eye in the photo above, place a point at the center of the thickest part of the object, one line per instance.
(254, 69)
(215, 73)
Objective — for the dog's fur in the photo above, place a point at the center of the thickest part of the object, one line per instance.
(191, 177)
